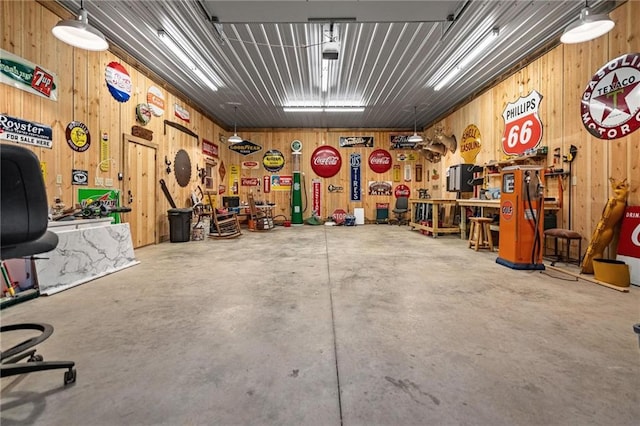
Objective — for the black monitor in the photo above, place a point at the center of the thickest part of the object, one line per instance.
(231, 201)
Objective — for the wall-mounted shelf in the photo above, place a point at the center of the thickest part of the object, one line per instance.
(516, 160)
(554, 174)
(492, 169)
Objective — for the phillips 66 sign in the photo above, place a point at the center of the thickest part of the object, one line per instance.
(522, 125)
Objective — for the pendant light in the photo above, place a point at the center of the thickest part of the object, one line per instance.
(78, 33)
(415, 138)
(235, 138)
(588, 27)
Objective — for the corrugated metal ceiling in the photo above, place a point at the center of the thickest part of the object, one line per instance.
(266, 54)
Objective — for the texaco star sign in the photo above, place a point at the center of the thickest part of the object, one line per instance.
(611, 101)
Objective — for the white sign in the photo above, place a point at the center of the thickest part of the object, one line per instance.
(26, 132)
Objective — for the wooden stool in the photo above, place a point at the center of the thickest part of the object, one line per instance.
(568, 235)
(480, 233)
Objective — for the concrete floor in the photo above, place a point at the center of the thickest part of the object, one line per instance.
(366, 325)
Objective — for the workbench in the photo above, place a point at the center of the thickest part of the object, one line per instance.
(493, 204)
(435, 205)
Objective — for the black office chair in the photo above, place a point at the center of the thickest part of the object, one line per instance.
(23, 232)
(400, 210)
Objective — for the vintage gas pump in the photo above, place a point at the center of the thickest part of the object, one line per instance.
(521, 217)
(296, 188)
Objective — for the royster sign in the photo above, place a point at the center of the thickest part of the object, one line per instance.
(27, 132)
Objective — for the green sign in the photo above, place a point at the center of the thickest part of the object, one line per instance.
(110, 197)
(24, 75)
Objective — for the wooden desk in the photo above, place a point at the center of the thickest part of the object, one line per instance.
(492, 204)
(434, 228)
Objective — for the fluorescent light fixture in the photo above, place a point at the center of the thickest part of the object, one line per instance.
(319, 104)
(344, 109)
(323, 109)
(468, 58)
(78, 33)
(325, 75)
(179, 52)
(235, 138)
(588, 27)
(415, 138)
(303, 109)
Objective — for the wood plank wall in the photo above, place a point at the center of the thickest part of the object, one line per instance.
(560, 76)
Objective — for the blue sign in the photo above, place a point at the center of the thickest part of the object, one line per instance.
(354, 161)
(16, 130)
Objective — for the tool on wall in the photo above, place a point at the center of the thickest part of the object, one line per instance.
(167, 194)
(573, 151)
(182, 168)
(202, 173)
(168, 164)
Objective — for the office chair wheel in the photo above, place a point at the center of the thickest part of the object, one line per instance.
(70, 376)
(35, 358)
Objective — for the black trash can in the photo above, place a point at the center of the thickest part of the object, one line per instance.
(179, 225)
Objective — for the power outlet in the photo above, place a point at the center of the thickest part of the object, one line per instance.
(108, 182)
(574, 180)
(99, 181)
(59, 179)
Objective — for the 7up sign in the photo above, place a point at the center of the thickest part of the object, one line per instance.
(522, 125)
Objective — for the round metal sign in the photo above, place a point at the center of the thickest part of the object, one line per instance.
(380, 161)
(611, 102)
(273, 160)
(155, 100)
(78, 136)
(402, 191)
(326, 161)
(118, 82)
(143, 113)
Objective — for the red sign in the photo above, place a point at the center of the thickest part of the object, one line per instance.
(522, 125)
(42, 81)
(316, 196)
(611, 101)
(402, 191)
(326, 161)
(249, 181)
(506, 210)
(339, 216)
(222, 171)
(209, 148)
(629, 244)
(380, 161)
(266, 184)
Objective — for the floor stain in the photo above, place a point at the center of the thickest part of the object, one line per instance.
(294, 373)
(410, 388)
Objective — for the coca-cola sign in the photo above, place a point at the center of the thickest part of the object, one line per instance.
(402, 191)
(380, 161)
(326, 161)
